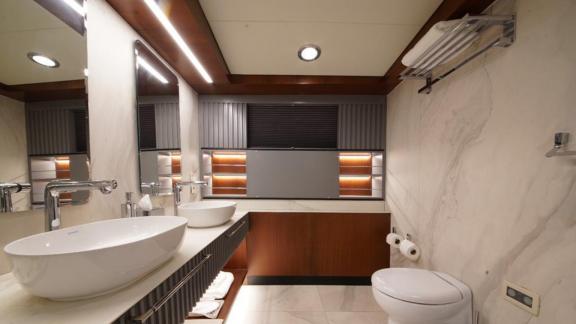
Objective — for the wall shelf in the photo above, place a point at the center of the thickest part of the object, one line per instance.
(225, 172)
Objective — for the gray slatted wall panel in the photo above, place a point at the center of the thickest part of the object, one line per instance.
(223, 125)
(50, 131)
(361, 126)
(167, 125)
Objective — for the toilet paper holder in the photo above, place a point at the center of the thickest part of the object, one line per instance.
(408, 236)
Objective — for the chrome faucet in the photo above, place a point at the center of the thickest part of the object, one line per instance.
(52, 196)
(177, 190)
(6, 191)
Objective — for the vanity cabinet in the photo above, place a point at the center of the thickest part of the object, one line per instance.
(316, 247)
(172, 300)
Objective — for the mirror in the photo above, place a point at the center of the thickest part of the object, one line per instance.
(43, 101)
(158, 123)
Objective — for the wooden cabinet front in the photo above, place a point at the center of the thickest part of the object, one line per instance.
(317, 244)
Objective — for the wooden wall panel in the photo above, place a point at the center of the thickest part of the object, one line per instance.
(350, 244)
(279, 244)
(317, 244)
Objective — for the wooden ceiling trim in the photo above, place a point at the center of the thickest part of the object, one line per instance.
(189, 19)
(45, 91)
(448, 9)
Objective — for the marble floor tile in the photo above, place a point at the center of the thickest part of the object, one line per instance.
(348, 299)
(294, 298)
(295, 318)
(357, 317)
(241, 316)
(252, 298)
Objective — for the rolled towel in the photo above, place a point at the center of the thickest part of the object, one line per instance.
(431, 37)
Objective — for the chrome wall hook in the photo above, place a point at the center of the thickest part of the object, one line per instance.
(560, 142)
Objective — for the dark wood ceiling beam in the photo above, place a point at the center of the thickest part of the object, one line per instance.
(188, 18)
(45, 91)
(303, 79)
(299, 85)
(449, 9)
(6, 91)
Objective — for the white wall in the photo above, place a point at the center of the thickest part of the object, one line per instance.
(467, 176)
(113, 145)
(13, 158)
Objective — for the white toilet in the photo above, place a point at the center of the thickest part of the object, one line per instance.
(416, 296)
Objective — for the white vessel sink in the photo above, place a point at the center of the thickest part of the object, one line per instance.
(93, 259)
(207, 213)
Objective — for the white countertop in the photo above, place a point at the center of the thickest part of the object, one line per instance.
(17, 306)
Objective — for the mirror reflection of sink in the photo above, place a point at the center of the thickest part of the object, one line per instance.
(207, 213)
(94, 259)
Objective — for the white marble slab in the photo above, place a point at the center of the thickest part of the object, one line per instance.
(467, 176)
(17, 306)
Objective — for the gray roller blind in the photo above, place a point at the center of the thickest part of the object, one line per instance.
(223, 125)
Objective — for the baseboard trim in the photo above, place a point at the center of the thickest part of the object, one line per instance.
(308, 280)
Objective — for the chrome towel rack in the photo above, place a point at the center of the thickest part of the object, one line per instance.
(461, 35)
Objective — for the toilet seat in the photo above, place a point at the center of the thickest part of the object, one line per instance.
(417, 286)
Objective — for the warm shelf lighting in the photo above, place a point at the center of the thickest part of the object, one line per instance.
(354, 178)
(143, 63)
(229, 177)
(153, 6)
(355, 157)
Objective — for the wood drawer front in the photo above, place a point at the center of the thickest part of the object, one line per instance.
(317, 244)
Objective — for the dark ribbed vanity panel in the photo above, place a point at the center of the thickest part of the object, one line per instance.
(202, 269)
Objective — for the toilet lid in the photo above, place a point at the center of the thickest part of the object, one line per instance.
(416, 286)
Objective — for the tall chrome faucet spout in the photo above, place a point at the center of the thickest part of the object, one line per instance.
(52, 196)
(177, 190)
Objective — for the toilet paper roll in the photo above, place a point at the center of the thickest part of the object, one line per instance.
(410, 250)
(394, 240)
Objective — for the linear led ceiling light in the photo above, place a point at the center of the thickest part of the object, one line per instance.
(75, 6)
(143, 63)
(153, 6)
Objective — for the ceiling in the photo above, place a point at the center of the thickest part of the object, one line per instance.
(27, 27)
(357, 37)
(250, 47)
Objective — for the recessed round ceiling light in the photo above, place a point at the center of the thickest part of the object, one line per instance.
(309, 53)
(43, 60)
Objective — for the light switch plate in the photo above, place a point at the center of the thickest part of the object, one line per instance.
(522, 298)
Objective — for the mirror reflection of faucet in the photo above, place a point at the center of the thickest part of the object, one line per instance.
(55, 188)
(6, 191)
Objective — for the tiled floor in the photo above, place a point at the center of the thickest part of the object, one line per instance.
(306, 305)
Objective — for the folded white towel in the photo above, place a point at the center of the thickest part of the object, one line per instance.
(220, 286)
(431, 37)
(207, 308)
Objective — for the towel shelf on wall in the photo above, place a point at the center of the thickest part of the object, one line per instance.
(451, 50)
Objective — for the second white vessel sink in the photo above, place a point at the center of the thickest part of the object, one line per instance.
(93, 259)
(207, 213)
